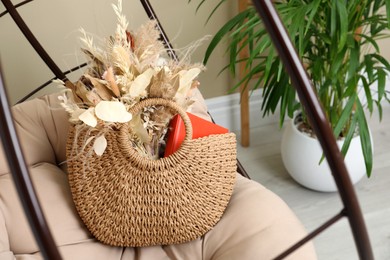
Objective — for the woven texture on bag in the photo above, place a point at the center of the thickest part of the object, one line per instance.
(127, 200)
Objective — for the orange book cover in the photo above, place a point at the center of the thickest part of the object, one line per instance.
(200, 128)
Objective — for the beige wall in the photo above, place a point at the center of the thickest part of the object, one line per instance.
(56, 24)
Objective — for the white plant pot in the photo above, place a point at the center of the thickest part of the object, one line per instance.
(301, 155)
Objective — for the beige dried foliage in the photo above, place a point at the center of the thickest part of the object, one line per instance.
(128, 68)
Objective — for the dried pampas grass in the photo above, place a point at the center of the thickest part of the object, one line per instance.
(129, 67)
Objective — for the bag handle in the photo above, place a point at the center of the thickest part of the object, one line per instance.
(166, 103)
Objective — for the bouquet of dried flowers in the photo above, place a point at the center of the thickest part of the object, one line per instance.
(130, 67)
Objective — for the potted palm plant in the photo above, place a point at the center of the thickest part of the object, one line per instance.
(337, 42)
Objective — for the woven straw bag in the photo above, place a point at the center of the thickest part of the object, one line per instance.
(125, 199)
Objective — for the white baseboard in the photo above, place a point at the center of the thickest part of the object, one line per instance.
(225, 111)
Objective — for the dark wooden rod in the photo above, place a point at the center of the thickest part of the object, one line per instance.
(33, 41)
(22, 179)
(314, 110)
(310, 236)
(30, 94)
(16, 6)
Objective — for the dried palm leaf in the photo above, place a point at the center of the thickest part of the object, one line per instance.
(97, 66)
(164, 85)
(101, 89)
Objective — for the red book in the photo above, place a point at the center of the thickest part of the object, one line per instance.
(200, 128)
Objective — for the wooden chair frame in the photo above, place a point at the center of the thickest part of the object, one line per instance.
(300, 81)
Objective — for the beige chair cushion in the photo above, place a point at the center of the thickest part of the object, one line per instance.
(256, 225)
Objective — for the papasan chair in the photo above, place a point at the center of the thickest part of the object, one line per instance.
(38, 219)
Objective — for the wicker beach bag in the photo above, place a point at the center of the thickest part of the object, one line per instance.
(125, 199)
